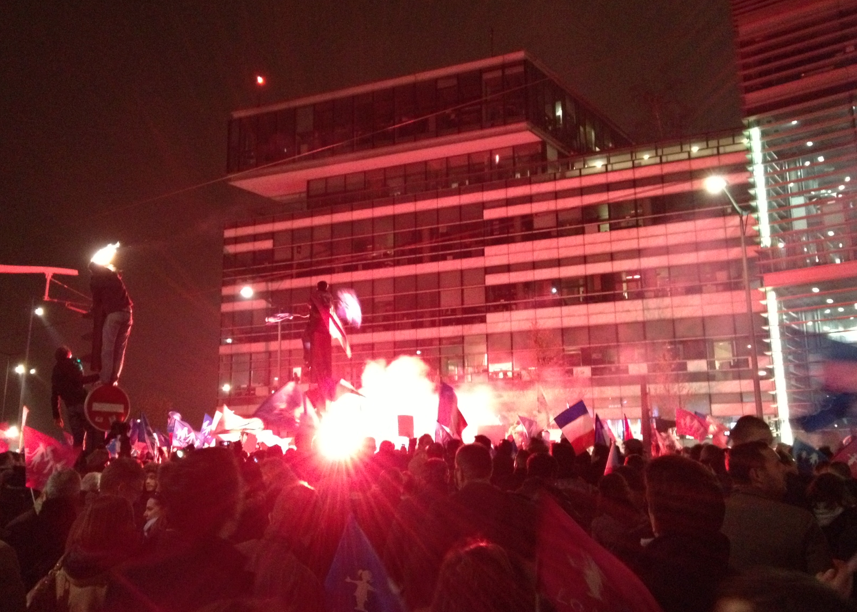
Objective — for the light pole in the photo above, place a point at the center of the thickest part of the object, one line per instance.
(714, 185)
(33, 311)
(277, 318)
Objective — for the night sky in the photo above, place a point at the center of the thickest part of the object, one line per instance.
(113, 123)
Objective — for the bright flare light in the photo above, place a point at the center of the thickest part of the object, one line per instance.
(12, 432)
(247, 292)
(341, 431)
(348, 308)
(104, 256)
(20, 369)
(39, 311)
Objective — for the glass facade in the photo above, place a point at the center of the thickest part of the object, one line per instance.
(796, 69)
(420, 108)
(583, 275)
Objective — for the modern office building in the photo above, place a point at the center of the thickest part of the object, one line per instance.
(797, 67)
(497, 226)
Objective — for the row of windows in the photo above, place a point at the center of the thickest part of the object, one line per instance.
(419, 177)
(448, 233)
(425, 109)
(684, 350)
(460, 297)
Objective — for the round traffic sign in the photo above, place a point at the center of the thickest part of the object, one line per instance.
(106, 404)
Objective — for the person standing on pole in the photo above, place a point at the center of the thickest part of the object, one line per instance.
(67, 381)
(111, 314)
(316, 338)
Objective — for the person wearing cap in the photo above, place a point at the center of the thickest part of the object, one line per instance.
(112, 320)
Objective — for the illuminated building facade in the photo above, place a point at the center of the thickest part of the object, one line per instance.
(797, 66)
(494, 224)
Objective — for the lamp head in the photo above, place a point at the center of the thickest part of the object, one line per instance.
(715, 184)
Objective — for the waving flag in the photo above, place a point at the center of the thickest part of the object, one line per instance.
(277, 412)
(613, 460)
(531, 428)
(848, 455)
(181, 433)
(603, 433)
(626, 425)
(441, 434)
(357, 580)
(448, 413)
(806, 456)
(688, 424)
(719, 432)
(43, 455)
(576, 573)
(577, 426)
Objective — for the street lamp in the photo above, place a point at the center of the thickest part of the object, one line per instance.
(277, 318)
(34, 311)
(715, 185)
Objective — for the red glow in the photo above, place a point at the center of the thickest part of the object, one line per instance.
(260, 80)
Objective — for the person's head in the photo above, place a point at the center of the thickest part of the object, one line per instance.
(150, 472)
(202, 492)
(62, 353)
(633, 447)
(479, 577)
(828, 497)
(756, 464)
(63, 484)
(840, 468)
(714, 458)
(483, 440)
(684, 497)
(104, 527)
(435, 450)
(472, 464)
(154, 507)
(123, 477)
(541, 465)
(750, 429)
(614, 487)
(775, 590)
(321, 285)
(424, 441)
(435, 474)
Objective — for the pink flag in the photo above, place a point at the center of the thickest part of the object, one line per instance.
(849, 455)
(688, 424)
(43, 455)
(576, 573)
(613, 461)
(719, 432)
(627, 435)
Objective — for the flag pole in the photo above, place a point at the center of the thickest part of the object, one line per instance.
(645, 416)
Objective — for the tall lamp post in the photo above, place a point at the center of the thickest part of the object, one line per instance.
(34, 311)
(277, 318)
(715, 185)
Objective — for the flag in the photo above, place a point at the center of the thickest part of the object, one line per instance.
(613, 460)
(718, 431)
(337, 330)
(43, 455)
(848, 455)
(531, 428)
(806, 456)
(441, 435)
(448, 413)
(277, 412)
(626, 426)
(577, 426)
(357, 579)
(576, 573)
(601, 436)
(205, 437)
(181, 433)
(835, 369)
(688, 424)
(663, 425)
(542, 400)
(231, 422)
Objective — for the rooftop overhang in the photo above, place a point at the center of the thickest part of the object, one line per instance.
(291, 177)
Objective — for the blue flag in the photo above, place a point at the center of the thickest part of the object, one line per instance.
(277, 412)
(357, 579)
(601, 436)
(807, 456)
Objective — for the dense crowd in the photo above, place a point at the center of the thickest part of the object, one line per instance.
(475, 527)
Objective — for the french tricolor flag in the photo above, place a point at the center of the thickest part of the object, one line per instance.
(577, 426)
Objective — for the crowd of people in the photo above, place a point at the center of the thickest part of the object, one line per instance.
(456, 527)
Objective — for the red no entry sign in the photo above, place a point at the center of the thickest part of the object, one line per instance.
(106, 404)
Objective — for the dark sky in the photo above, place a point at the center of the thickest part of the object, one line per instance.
(113, 127)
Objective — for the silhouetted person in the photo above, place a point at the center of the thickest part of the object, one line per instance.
(111, 320)
(67, 383)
